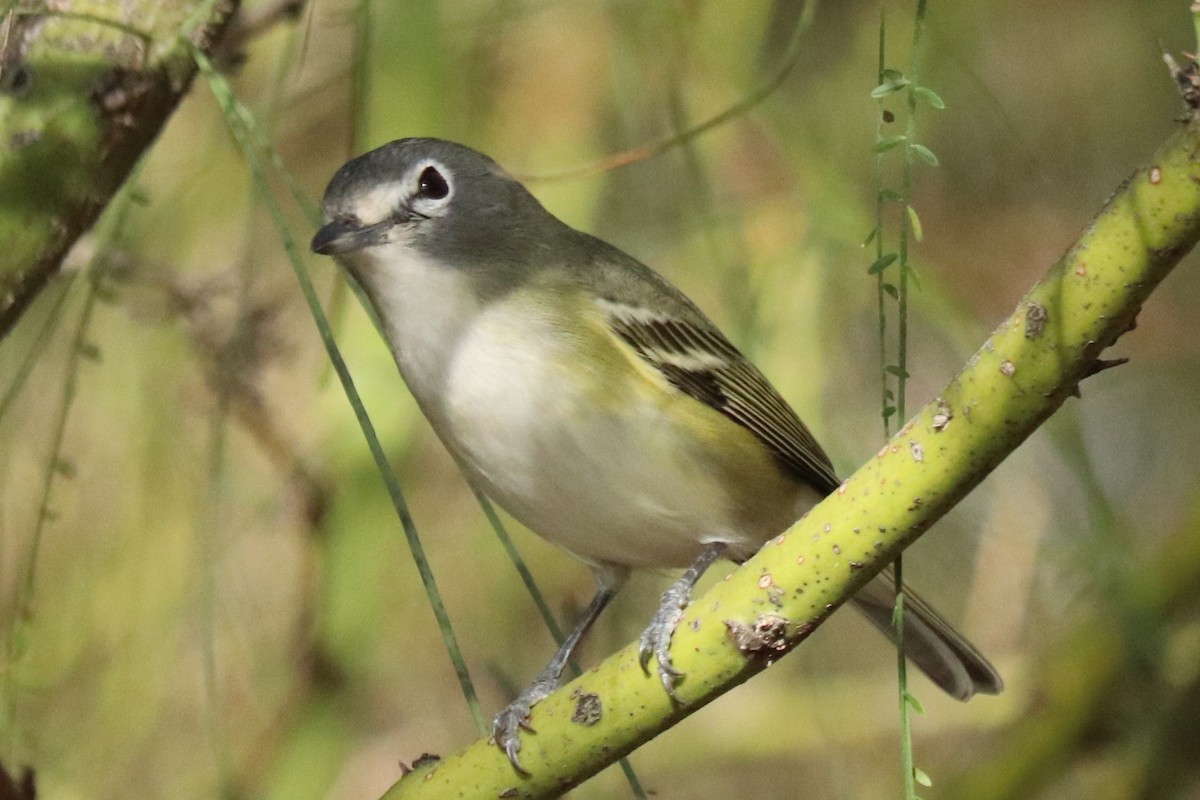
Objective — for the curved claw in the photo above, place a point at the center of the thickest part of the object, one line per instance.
(656, 639)
(667, 672)
(645, 651)
(656, 642)
(506, 731)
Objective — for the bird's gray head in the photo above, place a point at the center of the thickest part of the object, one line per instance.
(435, 197)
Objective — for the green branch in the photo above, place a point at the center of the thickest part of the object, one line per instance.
(1022, 374)
(81, 97)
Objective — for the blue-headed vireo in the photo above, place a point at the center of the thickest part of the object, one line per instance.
(586, 395)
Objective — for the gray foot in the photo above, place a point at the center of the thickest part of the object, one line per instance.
(656, 639)
(507, 726)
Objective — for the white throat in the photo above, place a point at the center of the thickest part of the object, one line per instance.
(425, 308)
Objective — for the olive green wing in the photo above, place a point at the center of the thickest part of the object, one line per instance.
(695, 357)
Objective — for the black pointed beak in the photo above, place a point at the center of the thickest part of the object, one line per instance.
(347, 235)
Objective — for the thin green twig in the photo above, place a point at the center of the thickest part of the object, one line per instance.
(907, 222)
(885, 398)
(236, 116)
(893, 402)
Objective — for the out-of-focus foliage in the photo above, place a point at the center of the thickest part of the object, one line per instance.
(223, 603)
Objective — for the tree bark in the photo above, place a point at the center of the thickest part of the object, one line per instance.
(84, 90)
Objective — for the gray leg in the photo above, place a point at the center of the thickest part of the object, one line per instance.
(656, 639)
(506, 727)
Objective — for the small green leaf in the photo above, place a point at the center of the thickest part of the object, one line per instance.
(890, 289)
(882, 263)
(870, 237)
(925, 154)
(888, 411)
(883, 145)
(888, 87)
(929, 96)
(889, 394)
(892, 75)
(892, 369)
(914, 703)
(892, 195)
(913, 275)
(921, 778)
(914, 222)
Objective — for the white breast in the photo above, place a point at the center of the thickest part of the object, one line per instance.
(502, 387)
(608, 482)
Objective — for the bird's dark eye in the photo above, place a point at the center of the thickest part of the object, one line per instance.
(431, 184)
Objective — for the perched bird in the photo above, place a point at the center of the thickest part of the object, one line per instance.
(586, 395)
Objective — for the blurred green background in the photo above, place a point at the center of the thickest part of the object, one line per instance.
(223, 604)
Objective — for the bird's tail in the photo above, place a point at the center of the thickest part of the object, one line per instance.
(930, 641)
